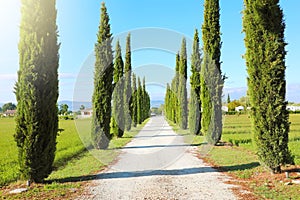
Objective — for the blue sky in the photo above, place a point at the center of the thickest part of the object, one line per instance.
(78, 22)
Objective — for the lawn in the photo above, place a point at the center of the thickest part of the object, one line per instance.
(69, 145)
(240, 161)
(73, 162)
(237, 130)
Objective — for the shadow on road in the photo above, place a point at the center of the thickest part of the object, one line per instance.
(159, 146)
(113, 175)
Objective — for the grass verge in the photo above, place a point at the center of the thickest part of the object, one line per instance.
(74, 164)
(240, 162)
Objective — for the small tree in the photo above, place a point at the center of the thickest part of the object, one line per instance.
(8, 106)
(228, 99)
(63, 110)
(82, 107)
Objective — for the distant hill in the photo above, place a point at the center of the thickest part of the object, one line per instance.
(75, 106)
(156, 103)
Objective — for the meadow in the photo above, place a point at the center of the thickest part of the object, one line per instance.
(240, 161)
(69, 145)
(75, 159)
(237, 130)
(237, 158)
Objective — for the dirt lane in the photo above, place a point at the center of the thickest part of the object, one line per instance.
(157, 164)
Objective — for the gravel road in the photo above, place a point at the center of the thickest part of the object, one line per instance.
(157, 164)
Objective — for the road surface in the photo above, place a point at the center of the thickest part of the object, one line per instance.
(157, 164)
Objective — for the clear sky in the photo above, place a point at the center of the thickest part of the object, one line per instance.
(78, 22)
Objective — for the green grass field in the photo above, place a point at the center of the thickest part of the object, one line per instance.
(241, 162)
(237, 130)
(68, 146)
(72, 158)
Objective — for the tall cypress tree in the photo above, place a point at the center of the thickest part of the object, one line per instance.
(139, 101)
(127, 86)
(103, 87)
(145, 100)
(134, 101)
(167, 103)
(183, 112)
(195, 102)
(265, 59)
(37, 89)
(211, 79)
(118, 101)
(175, 92)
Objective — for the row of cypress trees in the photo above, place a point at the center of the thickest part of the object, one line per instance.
(37, 86)
(139, 98)
(37, 89)
(113, 83)
(263, 26)
(176, 94)
(206, 82)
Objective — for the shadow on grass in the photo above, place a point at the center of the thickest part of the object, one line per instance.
(114, 175)
(63, 161)
(241, 167)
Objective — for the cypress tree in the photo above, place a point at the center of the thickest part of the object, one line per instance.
(118, 101)
(211, 79)
(139, 101)
(127, 86)
(265, 59)
(228, 98)
(167, 102)
(134, 101)
(195, 102)
(37, 89)
(182, 111)
(103, 87)
(145, 101)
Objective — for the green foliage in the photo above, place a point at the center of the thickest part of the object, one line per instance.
(63, 109)
(72, 159)
(171, 98)
(103, 87)
(8, 106)
(142, 102)
(139, 101)
(127, 86)
(134, 101)
(195, 101)
(118, 95)
(37, 90)
(182, 100)
(211, 79)
(233, 104)
(265, 59)
(228, 99)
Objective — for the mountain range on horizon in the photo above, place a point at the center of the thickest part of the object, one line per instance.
(293, 95)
